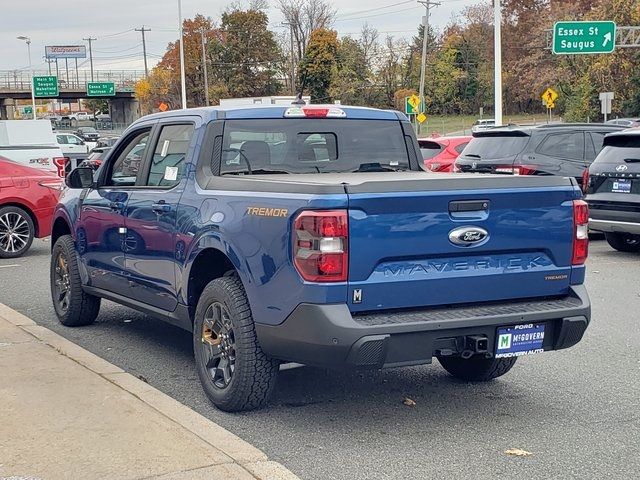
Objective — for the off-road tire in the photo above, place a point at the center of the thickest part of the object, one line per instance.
(82, 308)
(254, 376)
(26, 228)
(477, 368)
(623, 242)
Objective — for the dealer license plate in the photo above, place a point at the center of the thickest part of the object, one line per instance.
(621, 186)
(519, 340)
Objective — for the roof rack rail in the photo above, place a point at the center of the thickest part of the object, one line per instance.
(576, 124)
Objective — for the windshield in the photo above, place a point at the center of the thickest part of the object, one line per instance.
(312, 146)
(495, 146)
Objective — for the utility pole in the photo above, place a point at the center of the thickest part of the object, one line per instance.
(204, 69)
(144, 48)
(293, 62)
(425, 36)
(90, 53)
(497, 59)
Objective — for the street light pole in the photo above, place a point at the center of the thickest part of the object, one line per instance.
(33, 94)
(497, 55)
(183, 83)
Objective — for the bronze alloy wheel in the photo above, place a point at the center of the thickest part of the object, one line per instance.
(218, 345)
(61, 287)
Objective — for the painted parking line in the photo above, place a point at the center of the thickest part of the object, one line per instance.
(10, 266)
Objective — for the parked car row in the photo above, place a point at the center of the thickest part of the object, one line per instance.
(603, 158)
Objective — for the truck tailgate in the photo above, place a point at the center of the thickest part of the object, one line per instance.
(427, 241)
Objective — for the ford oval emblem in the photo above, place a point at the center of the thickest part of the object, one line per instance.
(468, 236)
(621, 168)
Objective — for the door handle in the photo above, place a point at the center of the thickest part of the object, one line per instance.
(116, 206)
(161, 207)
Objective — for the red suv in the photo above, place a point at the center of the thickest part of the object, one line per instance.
(28, 197)
(440, 153)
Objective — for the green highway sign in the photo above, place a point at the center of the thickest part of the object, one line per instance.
(101, 89)
(45, 86)
(28, 110)
(583, 37)
(412, 105)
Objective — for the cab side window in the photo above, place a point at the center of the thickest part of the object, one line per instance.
(569, 146)
(169, 156)
(126, 166)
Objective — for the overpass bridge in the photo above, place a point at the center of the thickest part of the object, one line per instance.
(123, 107)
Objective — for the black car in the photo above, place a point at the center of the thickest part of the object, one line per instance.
(563, 149)
(96, 157)
(613, 191)
(107, 141)
(88, 134)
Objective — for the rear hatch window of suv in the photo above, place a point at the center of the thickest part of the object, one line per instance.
(429, 149)
(312, 146)
(495, 146)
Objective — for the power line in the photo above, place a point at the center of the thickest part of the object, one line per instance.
(349, 14)
(375, 15)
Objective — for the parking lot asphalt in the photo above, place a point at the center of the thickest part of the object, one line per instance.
(577, 411)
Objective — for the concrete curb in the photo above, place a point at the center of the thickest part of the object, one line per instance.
(253, 461)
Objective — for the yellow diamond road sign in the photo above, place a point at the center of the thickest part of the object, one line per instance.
(549, 96)
(421, 118)
(414, 101)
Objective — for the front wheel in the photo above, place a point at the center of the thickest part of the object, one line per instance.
(477, 368)
(74, 307)
(235, 373)
(623, 242)
(16, 232)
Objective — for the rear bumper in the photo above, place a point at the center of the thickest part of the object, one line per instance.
(329, 336)
(607, 216)
(602, 225)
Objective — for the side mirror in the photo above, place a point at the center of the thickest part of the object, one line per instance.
(81, 177)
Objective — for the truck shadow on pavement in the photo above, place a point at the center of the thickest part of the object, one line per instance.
(348, 396)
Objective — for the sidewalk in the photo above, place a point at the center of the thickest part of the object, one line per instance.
(68, 414)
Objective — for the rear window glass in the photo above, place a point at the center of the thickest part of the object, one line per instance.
(495, 146)
(429, 149)
(625, 149)
(459, 148)
(312, 146)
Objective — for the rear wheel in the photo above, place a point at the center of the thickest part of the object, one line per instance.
(623, 242)
(235, 373)
(16, 232)
(477, 368)
(74, 307)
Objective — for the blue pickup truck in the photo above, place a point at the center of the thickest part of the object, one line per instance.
(310, 234)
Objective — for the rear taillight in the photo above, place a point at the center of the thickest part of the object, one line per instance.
(580, 232)
(60, 162)
(320, 241)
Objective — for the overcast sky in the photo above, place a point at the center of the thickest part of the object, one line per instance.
(118, 46)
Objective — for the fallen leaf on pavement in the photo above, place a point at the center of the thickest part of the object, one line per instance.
(408, 402)
(518, 452)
